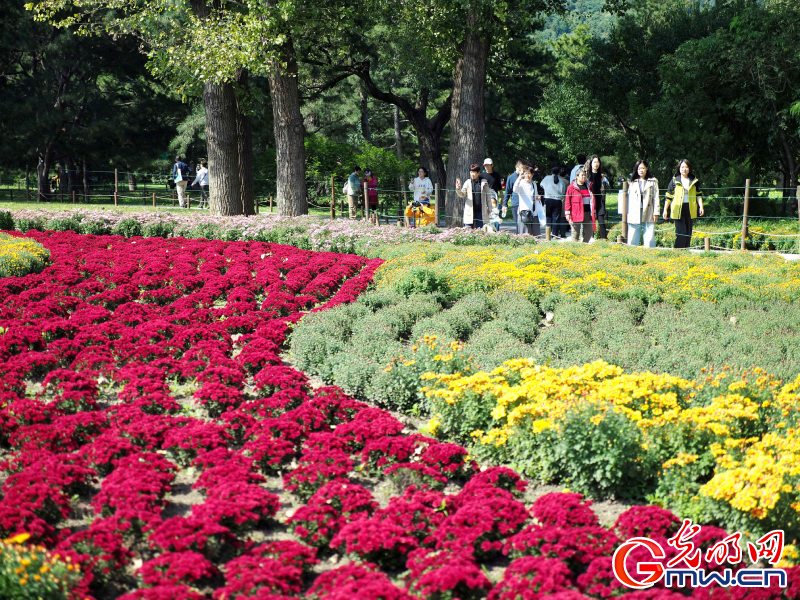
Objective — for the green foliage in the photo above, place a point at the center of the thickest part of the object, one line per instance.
(128, 228)
(6, 221)
(422, 280)
(30, 572)
(21, 256)
(607, 461)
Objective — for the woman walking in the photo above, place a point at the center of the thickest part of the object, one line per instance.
(643, 206)
(579, 207)
(477, 207)
(554, 188)
(594, 176)
(531, 211)
(683, 203)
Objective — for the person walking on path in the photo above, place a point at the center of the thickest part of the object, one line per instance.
(476, 190)
(372, 189)
(509, 194)
(581, 163)
(353, 190)
(531, 210)
(491, 176)
(579, 207)
(554, 188)
(421, 186)
(683, 203)
(180, 175)
(594, 176)
(643, 206)
(202, 181)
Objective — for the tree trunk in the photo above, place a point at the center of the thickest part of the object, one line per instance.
(364, 115)
(398, 143)
(72, 174)
(222, 140)
(467, 126)
(244, 133)
(131, 182)
(229, 141)
(429, 131)
(290, 152)
(85, 181)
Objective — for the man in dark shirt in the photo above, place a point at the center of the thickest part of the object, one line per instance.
(492, 178)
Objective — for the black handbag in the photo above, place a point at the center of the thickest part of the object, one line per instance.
(526, 217)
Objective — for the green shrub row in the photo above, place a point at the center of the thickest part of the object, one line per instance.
(354, 346)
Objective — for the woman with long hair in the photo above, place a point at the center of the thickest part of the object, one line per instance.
(594, 179)
(643, 205)
(421, 186)
(683, 202)
(478, 194)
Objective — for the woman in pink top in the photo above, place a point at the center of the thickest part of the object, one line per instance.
(372, 189)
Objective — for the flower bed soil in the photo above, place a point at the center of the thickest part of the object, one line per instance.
(152, 436)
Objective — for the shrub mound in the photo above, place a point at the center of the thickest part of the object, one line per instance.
(20, 256)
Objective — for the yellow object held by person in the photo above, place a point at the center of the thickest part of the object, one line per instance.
(420, 214)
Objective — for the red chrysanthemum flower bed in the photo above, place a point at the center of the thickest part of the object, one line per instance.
(159, 369)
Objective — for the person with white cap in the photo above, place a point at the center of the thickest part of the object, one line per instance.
(493, 179)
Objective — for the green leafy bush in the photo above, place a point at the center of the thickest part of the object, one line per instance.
(6, 221)
(129, 228)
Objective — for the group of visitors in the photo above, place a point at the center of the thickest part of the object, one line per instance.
(182, 173)
(578, 204)
(354, 190)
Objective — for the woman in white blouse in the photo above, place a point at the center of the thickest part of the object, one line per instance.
(531, 212)
(421, 186)
(643, 206)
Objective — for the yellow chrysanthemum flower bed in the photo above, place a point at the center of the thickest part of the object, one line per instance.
(722, 450)
(28, 571)
(20, 256)
(578, 270)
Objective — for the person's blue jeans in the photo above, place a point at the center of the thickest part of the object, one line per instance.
(514, 211)
(635, 232)
(477, 223)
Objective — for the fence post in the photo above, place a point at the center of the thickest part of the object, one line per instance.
(547, 232)
(270, 203)
(625, 212)
(333, 200)
(116, 185)
(73, 196)
(173, 198)
(436, 202)
(366, 200)
(744, 212)
(154, 199)
(707, 244)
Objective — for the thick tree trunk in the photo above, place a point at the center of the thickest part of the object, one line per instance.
(131, 182)
(223, 149)
(429, 131)
(364, 115)
(85, 181)
(430, 151)
(467, 126)
(398, 144)
(244, 133)
(72, 174)
(290, 152)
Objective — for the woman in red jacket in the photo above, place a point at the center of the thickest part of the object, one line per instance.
(579, 208)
